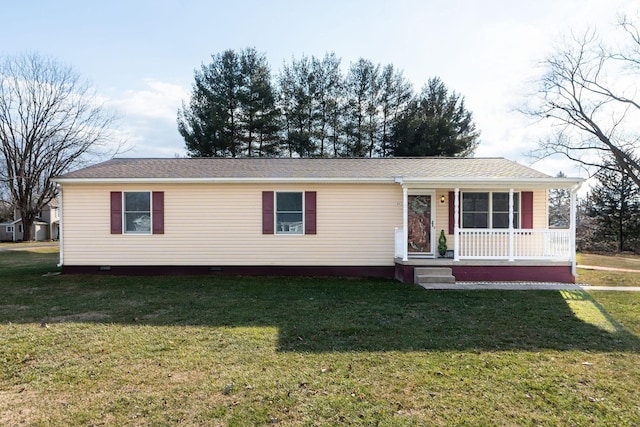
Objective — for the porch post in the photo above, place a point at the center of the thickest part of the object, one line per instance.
(511, 224)
(572, 231)
(456, 222)
(405, 223)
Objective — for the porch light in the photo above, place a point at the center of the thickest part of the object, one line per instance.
(442, 199)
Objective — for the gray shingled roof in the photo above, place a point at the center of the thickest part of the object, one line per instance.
(292, 168)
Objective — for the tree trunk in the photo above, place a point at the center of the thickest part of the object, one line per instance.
(27, 225)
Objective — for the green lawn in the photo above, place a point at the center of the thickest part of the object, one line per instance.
(609, 278)
(626, 261)
(103, 350)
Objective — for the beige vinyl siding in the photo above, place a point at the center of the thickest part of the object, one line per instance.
(221, 224)
(442, 218)
(540, 209)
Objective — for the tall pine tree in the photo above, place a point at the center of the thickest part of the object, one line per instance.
(436, 123)
(361, 91)
(395, 94)
(232, 108)
(258, 113)
(615, 204)
(314, 111)
(298, 90)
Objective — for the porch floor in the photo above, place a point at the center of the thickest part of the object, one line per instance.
(448, 262)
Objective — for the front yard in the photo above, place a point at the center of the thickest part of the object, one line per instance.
(101, 350)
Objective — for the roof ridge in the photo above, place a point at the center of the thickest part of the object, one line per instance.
(313, 158)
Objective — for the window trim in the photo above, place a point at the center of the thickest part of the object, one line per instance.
(9, 228)
(490, 212)
(302, 214)
(124, 215)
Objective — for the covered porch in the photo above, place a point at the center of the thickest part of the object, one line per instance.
(496, 231)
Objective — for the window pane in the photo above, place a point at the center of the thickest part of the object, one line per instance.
(475, 202)
(501, 202)
(474, 220)
(136, 202)
(289, 223)
(500, 220)
(289, 202)
(137, 222)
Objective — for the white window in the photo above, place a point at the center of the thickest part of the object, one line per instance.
(9, 228)
(489, 210)
(500, 210)
(289, 213)
(137, 212)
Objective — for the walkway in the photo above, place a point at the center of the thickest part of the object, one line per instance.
(538, 286)
(7, 247)
(596, 267)
(523, 286)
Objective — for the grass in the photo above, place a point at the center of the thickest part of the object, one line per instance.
(609, 278)
(626, 261)
(104, 350)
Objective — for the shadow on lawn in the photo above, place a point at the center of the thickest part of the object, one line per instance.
(326, 315)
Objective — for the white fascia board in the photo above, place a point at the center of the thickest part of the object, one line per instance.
(485, 183)
(476, 183)
(265, 180)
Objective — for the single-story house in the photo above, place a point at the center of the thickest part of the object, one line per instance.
(45, 227)
(379, 217)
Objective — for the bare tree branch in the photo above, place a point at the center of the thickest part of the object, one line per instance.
(582, 95)
(49, 121)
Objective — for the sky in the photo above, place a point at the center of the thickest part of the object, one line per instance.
(140, 55)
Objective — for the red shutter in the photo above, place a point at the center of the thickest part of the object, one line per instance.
(452, 208)
(116, 212)
(310, 212)
(267, 212)
(157, 200)
(526, 205)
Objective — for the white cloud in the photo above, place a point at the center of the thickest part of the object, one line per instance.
(159, 100)
(148, 119)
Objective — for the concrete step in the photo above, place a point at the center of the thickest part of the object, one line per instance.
(424, 275)
(435, 279)
(433, 271)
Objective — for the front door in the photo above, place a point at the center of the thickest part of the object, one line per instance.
(420, 225)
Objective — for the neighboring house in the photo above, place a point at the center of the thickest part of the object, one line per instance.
(353, 217)
(45, 227)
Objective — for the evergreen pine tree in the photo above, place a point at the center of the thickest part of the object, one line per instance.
(436, 123)
(232, 108)
(615, 204)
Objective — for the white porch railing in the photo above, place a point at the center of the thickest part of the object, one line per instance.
(500, 244)
(522, 244)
